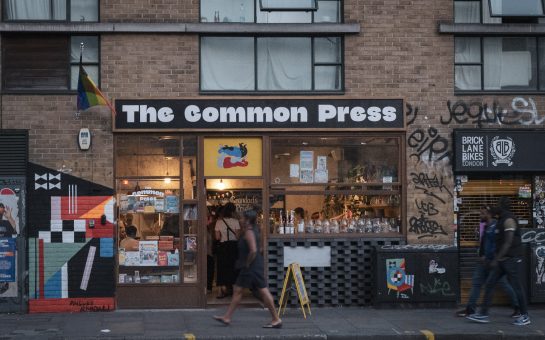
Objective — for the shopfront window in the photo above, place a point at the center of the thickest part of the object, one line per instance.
(335, 185)
(496, 64)
(158, 214)
(271, 11)
(268, 64)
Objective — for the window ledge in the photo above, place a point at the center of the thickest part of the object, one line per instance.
(498, 93)
(491, 29)
(188, 28)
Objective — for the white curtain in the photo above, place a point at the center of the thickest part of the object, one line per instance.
(35, 9)
(227, 63)
(466, 12)
(492, 59)
(284, 63)
(467, 50)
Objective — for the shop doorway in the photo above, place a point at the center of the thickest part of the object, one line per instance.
(226, 200)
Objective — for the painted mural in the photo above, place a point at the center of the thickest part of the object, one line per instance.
(71, 230)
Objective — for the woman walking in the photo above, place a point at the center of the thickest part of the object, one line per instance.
(250, 263)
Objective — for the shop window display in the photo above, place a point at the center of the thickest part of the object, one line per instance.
(157, 221)
(335, 185)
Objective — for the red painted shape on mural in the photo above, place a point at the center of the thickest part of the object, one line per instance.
(98, 304)
(41, 267)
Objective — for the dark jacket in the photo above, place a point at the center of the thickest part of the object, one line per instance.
(516, 246)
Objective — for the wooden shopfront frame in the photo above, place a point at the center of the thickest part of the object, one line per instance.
(193, 295)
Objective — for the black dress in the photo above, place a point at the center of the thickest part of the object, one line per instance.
(254, 276)
(226, 259)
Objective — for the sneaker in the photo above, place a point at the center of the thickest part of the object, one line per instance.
(522, 321)
(481, 318)
(464, 312)
(516, 314)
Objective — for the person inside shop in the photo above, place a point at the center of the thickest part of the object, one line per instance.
(227, 230)
(487, 249)
(130, 243)
(171, 226)
(122, 233)
(129, 222)
(7, 223)
(252, 273)
(152, 230)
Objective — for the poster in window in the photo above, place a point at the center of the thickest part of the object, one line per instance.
(232, 157)
(172, 204)
(148, 253)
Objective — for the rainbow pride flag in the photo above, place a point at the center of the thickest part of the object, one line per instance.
(88, 93)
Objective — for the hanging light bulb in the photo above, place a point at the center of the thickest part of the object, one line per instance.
(221, 185)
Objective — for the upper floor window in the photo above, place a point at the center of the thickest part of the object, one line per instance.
(47, 63)
(498, 11)
(272, 11)
(508, 64)
(50, 10)
(518, 8)
(271, 64)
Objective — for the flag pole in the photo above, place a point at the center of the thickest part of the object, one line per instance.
(81, 47)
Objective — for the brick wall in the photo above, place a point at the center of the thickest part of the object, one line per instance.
(398, 54)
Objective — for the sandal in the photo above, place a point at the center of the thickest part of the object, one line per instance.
(270, 325)
(221, 320)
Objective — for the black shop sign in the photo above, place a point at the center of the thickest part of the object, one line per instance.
(499, 150)
(262, 114)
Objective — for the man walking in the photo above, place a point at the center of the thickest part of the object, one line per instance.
(508, 261)
(487, 253)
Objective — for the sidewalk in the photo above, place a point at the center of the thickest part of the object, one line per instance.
(325, 323)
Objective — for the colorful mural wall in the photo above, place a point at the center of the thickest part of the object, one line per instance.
(70, 230)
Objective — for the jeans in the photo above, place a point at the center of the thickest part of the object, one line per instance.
(479, 279)
(511, 267)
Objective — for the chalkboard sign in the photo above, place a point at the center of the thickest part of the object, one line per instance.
(294, 275)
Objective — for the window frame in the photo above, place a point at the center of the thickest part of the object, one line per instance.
(537, 90)
(67, 20)
(292, 9)
(83, 63)
(255, 14)
(69, 65)
(256, 91)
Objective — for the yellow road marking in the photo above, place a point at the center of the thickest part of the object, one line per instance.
(429, 335)
(189, 336)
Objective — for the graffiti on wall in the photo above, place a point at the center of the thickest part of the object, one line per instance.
(428, 146)
(431, 156)
(71, 243)
(522, 111)
(539, 201)
(540, 267)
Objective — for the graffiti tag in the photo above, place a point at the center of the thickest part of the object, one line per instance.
(437, 287)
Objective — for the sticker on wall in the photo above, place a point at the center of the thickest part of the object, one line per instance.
(540, 267)
(397, 278)
(237, 157)
(435, 269)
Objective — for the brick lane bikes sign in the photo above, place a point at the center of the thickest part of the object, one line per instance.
(501, 150)
(260, 114)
